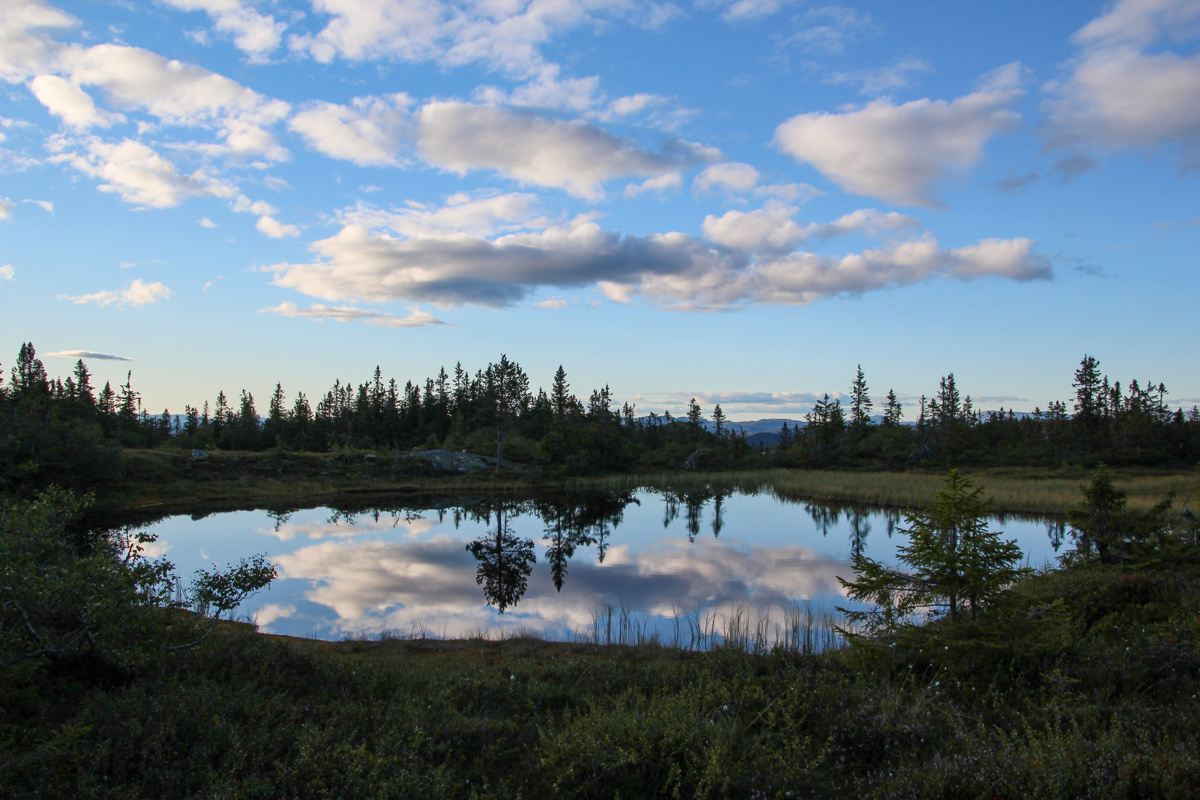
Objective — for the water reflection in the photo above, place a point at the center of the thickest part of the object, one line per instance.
(505, 561)
(452, 568)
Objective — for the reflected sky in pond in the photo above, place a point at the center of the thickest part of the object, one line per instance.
(552, 564)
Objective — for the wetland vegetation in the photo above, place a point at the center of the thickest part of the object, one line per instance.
(1074, 681)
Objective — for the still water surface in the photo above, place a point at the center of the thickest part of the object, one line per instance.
(553, 565)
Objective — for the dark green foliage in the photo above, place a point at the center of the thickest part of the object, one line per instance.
(952, 560)
(51, 430)
(1101, 525)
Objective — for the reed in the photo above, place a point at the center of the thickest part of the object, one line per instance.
(1022, 493)
(740, 628)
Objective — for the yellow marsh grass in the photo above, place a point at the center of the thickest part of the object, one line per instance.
(1048, 495)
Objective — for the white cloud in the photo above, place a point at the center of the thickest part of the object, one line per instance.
(253, 33)
(1139, 23)
(6, 208)
(671, 269)
(553, 303)
(73, 105)
(634, 104)
(503, 36)
(1118, 95)
(790, 192)
(747, 10)
(7, 272)
(137, 293)
(573, 156)
(772, 229)
(320, 313)
(730, 176)
(768, 228)
(205, 222)
(830, 28)
(92, 354)
(368, 131)
(25, 49)
(547, 90)
(180, 94)
(882, 79)
(662, 184)
(244, 205)
(275, 229)
(135, 172)
(898, 152)
(461, 216)
(45, 205)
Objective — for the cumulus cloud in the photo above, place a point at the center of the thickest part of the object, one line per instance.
(205, 222)
(462, 215)
(45, 205)
(88, 354)
(70, 103)
(179, 94)
(662, 184)
(573, 156)
(552, 303)
(1125, 89)
(789, 192)
(137, 293)
(253, 33)
(547, 90)
(318, 312)
(730, 176)
(505, 37)
(899, 152)
(7, 272)
(670, 269)
(6, 208)
(772, 229)
(881, 79)
(275, 229)
(369, 131)
(746, 10)
(134, 172)
(244, 205)
(25, 47)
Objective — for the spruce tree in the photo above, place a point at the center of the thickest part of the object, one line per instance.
(860, 402)
(718, 417)
(952, 560)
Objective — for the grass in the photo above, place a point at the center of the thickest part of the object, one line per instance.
(1079, 685)
(1012, 491)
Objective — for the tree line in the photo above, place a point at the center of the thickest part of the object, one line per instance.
(68, 431)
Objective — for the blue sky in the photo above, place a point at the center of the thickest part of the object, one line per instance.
(738, 201)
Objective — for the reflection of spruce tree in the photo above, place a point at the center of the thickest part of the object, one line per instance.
(564, 533)
(823, 516)
(718, 514)
(860, 526)
(694, 510)
(505, 562)
(670, 508)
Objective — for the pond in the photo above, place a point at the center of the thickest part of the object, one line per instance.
(612, 566)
